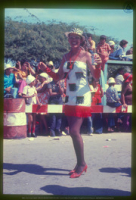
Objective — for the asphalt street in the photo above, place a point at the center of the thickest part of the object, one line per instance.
(40, 166)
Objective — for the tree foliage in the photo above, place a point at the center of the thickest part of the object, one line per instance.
(38, 41)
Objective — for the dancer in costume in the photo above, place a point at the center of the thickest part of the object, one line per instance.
(78, 96)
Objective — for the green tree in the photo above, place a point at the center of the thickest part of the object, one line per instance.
(40, 41)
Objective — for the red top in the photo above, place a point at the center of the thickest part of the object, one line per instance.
(97, 96)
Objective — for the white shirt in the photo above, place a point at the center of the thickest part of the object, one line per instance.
(29, 91)
(119, 79)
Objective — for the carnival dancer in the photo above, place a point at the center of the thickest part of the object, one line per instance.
(78, 95)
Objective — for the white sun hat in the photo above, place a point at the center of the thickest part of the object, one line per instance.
(111, 80)
(50, 63)
(76, 31)
(8, 66)
(30, 79)
(44, 75)
(111, 43)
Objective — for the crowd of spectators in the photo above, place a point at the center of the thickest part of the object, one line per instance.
(28, 82)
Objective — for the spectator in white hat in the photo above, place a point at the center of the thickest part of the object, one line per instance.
(30, 95)
(113, 100)
(9, 82)
(43, 80)
(112, 44)
(112, 94)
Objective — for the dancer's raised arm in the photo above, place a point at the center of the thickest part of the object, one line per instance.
(56, 76)
(95, 69)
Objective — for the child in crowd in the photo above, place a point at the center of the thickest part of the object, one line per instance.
(97, 94)
(30, 95)
(103, 49)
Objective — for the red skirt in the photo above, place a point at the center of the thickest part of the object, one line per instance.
(77, 111)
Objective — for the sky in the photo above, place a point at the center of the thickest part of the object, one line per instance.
(116, 23)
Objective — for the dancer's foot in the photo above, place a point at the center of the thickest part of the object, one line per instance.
(72, 171)
(79, 170)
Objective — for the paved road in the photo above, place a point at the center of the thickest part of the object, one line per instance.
(40, 166)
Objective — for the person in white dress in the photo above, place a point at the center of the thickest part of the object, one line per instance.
(78, 96)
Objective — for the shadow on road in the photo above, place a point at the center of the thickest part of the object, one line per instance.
(127, 171)
(32, 169)
(83, 191)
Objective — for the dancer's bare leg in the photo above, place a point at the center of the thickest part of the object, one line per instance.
(74, 129)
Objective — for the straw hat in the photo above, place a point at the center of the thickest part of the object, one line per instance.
(30, 79)
(111, 80)
(76, 31)
(8, 66)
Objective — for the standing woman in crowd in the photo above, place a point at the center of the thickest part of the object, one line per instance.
(78, 96)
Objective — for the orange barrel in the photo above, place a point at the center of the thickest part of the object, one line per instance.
(15, 121)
